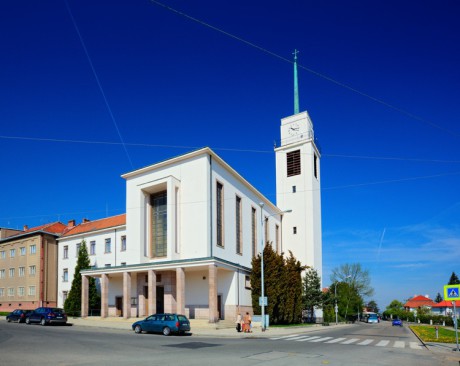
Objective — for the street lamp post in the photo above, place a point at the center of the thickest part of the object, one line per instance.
(262, 280)
(336, 306)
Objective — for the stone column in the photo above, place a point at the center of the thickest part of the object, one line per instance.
(152, 279)
(180, 291)
(126, 295)
(213, 314)
(104, 295)
(84, 296)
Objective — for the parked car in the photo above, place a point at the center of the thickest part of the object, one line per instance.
(373, 319)
(397, 322)
(17, 315)
(46, 315)
(163, 323)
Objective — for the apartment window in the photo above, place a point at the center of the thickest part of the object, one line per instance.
(12, 270)
(22, 250)
(108, 265)
(64, 296)
(123, 263)
(254, 231)
(65, 275)
(220, 214)
(277, 238)
(2, 292)
(20, 291)
(12, 253)
(294, 230)
(65, 252)
(294, 189)
(10, 291)
(315, 165)
(22, 271)
(33, 249)
(108, 245)
(32, 270)
(92, 248)
(31, 290)
(78, 249)
(293, 163)
(2, 254)
(159, 224)
(123, 243)
(239, 246)
(2, 273)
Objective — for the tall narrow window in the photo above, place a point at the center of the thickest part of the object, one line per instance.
(22, 271)
(65, 252)
(315, 165)
(92, 247)
(293, 163)
(266, 239)
(159, 224)
(220, 214)
(23, 250)
(123, 243)
(32, 270)
(33, 249)
(78, 249)
(277, 238)
(254, 231)
(239, 246)
(65, 275)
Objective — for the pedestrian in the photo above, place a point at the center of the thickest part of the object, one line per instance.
(238, 322)
(247, 323)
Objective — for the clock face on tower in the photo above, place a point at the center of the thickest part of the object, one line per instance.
(294, 129)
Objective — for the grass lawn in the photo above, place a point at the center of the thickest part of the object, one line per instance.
(427, 333)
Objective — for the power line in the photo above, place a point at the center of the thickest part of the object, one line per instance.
(109, 109)
(345, 156)
(316, 73)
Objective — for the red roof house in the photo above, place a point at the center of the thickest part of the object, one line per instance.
(419, 301)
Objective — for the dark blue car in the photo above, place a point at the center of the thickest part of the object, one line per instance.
(163, 323)
(18, 315)
(47, 315)
(397, 322)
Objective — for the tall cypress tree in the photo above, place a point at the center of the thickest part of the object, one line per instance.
(312, 294)
(292, 290)
(72, 305)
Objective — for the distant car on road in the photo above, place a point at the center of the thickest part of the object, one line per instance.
(17, 315)
(163, 323)
(397, 322)
(46, 315)
(372, 319)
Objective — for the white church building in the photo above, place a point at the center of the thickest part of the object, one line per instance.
(193, 225)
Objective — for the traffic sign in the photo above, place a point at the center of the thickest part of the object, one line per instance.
(263, 301)
(452, 292)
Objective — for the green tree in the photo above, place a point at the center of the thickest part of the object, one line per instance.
(282, 286)
(372, 306)
(358, 280)
(438, 298)
(312, 296)
(72, 304)
(453, 279)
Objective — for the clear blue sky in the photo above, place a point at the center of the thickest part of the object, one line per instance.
(164, 84)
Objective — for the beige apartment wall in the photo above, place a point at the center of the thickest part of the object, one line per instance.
(27, 301)
(5, 233)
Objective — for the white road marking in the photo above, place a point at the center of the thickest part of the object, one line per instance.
(415, 345)
(382, 343)
(285, 337)
(336, 340)
(350, 341)
(303, 339)
(320, 339)
(366, 342)
(399, 344)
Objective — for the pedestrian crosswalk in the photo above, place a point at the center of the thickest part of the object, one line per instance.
(352, 341)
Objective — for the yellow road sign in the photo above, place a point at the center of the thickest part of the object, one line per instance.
(452, 292)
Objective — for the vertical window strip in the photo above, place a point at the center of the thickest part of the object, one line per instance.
(239, 246)
(220, 214)
(293, 163)
(277, 238)
(159, 224)
(253, 231)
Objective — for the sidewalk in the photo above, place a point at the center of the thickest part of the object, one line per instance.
(203, 330)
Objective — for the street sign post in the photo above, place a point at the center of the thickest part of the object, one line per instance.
(452, 293)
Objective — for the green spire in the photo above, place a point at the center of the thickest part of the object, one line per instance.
(296, 85)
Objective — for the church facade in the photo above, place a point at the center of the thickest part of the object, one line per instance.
(193, 225)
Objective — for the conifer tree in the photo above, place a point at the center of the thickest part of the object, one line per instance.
(453, 279)
(312, 296)
(292, 290)
(438, 298)
(72, 305)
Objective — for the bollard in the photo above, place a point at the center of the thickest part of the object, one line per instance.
(437, 334)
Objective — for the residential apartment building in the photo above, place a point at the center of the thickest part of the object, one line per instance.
(106, 243)
(28, 264)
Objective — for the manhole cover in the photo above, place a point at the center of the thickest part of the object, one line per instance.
(192, 345)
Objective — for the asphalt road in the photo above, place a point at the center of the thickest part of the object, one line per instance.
(361, 344)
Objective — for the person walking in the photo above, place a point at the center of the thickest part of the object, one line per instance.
(247, 323)
(239, 322)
